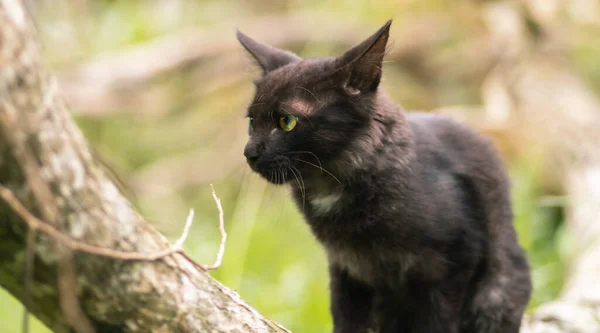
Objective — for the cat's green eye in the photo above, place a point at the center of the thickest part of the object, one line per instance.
(250, 125)
(287, 122)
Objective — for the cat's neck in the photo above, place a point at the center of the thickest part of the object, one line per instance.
(373, 150)
(388, 130)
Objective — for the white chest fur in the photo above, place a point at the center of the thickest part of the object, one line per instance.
(325, 204)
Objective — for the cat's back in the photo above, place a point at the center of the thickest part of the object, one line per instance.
(454, 160)
(439, 138)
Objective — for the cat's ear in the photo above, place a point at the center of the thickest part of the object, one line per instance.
(269, 58)
(360, 67)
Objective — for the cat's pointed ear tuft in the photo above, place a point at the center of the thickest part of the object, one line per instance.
(361, 66)
(269, 58)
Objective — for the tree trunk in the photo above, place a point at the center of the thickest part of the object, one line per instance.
(46, 162)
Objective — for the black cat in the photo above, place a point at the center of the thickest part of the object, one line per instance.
(412, 209)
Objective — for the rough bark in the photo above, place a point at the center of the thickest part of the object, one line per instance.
(43, 151)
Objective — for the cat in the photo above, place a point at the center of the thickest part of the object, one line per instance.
(412, 209)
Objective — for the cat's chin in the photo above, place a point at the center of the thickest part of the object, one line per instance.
(277, 181)
(275, 176)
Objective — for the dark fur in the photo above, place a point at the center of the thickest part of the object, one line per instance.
(413, 209)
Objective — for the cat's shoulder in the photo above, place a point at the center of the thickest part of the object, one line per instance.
(440, 135)
(436, 126)
(435, 121)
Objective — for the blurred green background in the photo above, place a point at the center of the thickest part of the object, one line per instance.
(170, 132)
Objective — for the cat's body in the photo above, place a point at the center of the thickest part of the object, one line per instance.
(424, 231)
(413, 209)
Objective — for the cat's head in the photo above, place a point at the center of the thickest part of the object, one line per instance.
(307, 112)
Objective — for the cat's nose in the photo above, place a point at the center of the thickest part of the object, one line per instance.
(251, 153)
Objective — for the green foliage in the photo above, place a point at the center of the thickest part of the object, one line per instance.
(540, 227)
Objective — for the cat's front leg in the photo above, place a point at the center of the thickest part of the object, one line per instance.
(351, 302)
(436, 311)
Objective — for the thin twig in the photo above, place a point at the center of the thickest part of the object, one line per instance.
(28, 278)
(217, 263)
(73, 244)
(186, 229)
(28, 163)
(67, 291)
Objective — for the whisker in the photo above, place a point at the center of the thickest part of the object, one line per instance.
(316, 166)
(308, 152)
(303, 185)
(245, 174)
(281, 174)
(300, 184)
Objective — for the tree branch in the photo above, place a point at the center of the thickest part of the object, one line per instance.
(549, 108)
(105, 84)
(169, 294)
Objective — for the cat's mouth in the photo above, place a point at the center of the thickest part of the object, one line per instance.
(276, 170)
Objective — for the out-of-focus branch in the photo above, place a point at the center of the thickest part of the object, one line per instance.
(533, 100)
(129, 79)
(543, 102)
(146, 61)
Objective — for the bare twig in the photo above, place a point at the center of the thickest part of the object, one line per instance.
(69, 302)
(76, 245)
(28, 278)
(186, 229)
(73, 244)
(28, 163)
(217, 263)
